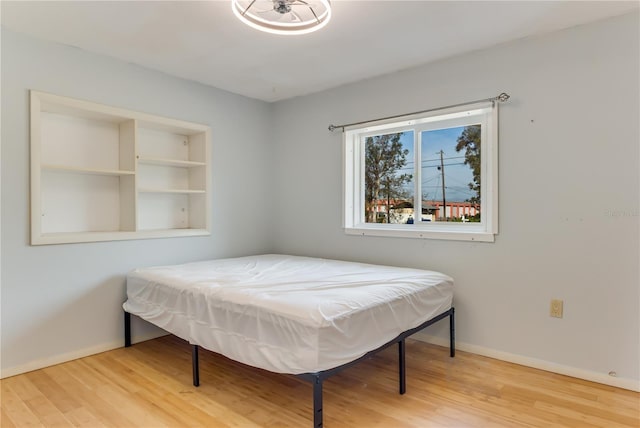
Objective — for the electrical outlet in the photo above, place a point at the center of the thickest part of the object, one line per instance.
(556, 308)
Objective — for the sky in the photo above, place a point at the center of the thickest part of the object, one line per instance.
(457, 175)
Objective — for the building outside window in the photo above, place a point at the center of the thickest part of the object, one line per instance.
(425, 176)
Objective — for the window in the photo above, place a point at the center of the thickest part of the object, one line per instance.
(432, 175)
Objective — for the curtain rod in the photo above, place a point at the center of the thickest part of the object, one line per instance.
(500, 98)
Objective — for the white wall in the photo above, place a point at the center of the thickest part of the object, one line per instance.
(63, 301)
(569, 195)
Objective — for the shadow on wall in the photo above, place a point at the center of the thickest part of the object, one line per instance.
(69, 327)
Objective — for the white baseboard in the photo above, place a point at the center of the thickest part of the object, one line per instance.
(630, 384)
(605, 379)
(69, 356)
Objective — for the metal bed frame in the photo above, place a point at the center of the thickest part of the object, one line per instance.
(317, 378)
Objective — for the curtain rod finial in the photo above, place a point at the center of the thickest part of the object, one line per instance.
(332, 128)
(503, 97)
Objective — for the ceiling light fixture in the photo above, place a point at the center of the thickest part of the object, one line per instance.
(283, 16)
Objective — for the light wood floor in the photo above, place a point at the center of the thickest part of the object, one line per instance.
(149, 385)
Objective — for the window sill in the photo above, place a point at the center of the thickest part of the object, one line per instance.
(403, 232)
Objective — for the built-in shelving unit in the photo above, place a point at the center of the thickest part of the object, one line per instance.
(101, 173)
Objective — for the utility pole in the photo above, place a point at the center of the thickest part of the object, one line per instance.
(444, 198)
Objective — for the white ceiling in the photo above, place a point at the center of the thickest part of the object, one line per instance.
(205, 42)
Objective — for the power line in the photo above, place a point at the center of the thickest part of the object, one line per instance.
(446, 164)
(445, 158)
(410, 168)
(458, 181)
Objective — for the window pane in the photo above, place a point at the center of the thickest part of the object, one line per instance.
(451, 174)
(389, 170)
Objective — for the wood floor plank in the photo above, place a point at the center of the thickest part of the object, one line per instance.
(37, 402)
(5, 421)
(149, 385)
(53, 391)
(14, 409)
(581, 419)
(73, 380)
(82, 417)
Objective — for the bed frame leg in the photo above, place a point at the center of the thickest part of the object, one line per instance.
(452, 333)
(195, 365)
(127, 329)
(402, 367)
(317, 402)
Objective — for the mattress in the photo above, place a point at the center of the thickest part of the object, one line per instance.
(287, 314)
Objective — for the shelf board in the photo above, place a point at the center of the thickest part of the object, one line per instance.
(170, 162)
(185, 191)
(116, 235)
(79, 170)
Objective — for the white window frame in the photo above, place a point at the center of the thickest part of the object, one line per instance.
(484, 113)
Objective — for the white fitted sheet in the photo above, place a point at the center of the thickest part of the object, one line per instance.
(287, 314)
